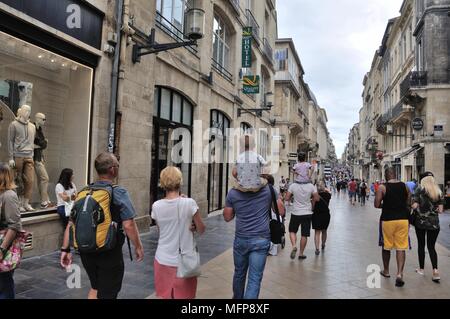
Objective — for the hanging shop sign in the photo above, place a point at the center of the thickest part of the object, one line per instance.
(247, 47)
(251, 84)
(73, 17)
(417, 124)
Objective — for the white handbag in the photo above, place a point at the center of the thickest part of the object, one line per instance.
(68, 207)
(189, 265)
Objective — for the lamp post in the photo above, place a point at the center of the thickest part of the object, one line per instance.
(195, 30)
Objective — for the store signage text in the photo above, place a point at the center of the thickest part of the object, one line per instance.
(417, 124)
(251, 84)
(72, 17)
(247, 47)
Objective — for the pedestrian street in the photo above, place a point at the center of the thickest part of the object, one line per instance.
(339, 272)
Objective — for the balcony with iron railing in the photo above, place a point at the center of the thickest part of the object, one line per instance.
(413, 80)
(382, 122)
(236, 6)
(251, 22)
(221, 70)
(401, 112)
(268, 51)
(175, 32)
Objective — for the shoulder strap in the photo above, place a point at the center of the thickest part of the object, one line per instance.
(275, 204)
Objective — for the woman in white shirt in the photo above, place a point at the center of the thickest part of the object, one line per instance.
(177, 218)
(66, 192)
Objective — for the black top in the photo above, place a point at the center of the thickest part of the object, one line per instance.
(363, 188)
(395, 205)
(40, 141)
(321, 207)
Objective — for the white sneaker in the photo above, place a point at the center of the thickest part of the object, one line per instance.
(22, 210)
(420, 272)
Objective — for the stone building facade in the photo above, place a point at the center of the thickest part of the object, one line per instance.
(190, 88)
(405, 100)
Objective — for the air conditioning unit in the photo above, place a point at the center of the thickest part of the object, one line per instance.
(389, 129)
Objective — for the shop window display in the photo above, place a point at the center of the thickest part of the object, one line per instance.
(45, 103)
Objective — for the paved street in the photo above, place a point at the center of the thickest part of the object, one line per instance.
(338, 273)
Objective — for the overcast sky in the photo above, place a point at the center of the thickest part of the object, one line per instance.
(336, 41)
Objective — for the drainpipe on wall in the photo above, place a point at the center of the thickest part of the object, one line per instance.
(115, 77)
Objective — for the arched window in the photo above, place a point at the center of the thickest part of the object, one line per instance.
(246, 128)
(218, 169)
(172, 128)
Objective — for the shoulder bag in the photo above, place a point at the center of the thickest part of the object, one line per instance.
(188, 261)
(11, 260)
(277, 228)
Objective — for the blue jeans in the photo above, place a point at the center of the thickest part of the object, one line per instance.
(7, 285)
(250, 256)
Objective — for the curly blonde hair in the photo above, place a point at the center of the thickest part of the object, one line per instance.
(171, 178)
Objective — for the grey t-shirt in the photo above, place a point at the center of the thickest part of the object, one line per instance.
(252, 212)
(249, 168)
(9, 211)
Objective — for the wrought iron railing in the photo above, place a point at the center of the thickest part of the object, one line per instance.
(236, 6)
(172, 30)
(222, 70)
(413, 79)
(268, 51)
(251, 21)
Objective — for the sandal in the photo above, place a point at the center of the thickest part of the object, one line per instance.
(293, 253)
(317, 252)
(399, 282)
(384, 275)
(302, 257)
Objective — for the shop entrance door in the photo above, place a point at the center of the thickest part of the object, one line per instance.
(447, 168)
(162, 157)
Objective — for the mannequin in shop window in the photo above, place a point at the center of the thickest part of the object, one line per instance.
(40, 144)
(21, 135)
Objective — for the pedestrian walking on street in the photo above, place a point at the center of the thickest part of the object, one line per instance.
(352, 186)
(252, 239)
(10, 224)
(363, 191)
(105, 266)
(304, 196)
(177, 219)
(321, 217)
(273, 251)
(428, 203)
(394, 200)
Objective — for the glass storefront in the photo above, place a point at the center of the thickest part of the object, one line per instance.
(56, 87)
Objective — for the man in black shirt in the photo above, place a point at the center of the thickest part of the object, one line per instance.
(40, 144)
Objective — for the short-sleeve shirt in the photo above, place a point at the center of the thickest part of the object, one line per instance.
(426, 204)
(9, 211)
(352, 187)
(249, 168)
(302, 198)
(252, 212)
(121, 201)
(60, 189)
(174, 218)
(302, 169)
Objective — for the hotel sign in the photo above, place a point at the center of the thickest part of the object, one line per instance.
(251, 84)
(247, 47)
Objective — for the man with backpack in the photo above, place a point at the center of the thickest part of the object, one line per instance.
(102, 215)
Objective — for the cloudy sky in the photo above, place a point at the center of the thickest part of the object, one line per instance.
(336, 41)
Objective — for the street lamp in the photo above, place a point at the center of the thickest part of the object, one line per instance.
(194, 29)
(267, 105)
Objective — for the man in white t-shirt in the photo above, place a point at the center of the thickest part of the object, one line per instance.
(305, 195)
